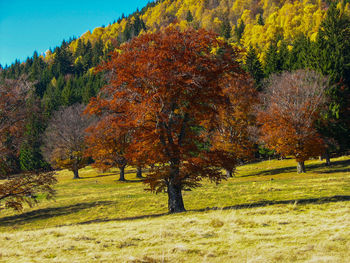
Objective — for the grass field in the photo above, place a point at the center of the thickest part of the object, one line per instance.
(267, 213)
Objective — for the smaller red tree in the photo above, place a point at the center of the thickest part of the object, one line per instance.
(107, 144)
(234, 133)
(291, 104)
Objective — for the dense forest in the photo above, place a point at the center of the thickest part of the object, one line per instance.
(272, 36)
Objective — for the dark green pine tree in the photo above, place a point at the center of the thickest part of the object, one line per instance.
(79, 67)
(143, 25)
(301, 55)
(98, 81)
(283, 57)
(36, 68)
(189, 17)
(87, 56)
(52, 98)
(260, 20)
(69, 94)
(254, 67)
(63, 61)
(43, 81)
(80, 50)
(107, 51)
(137, 26)
(333, 44)
(333, 60)
(97, 52)
(271, 60)
(239, 30)
(14, 71)
(30, 157)
(88, 89)
(60, 83)
(127, 33)
(28, 65)
(226, 28)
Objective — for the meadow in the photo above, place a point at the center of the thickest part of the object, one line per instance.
(266, 213)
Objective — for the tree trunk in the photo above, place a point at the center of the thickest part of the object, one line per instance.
(175, 201)
(229, 173)
(76, 172)
(139, 172)
(301, 167)
(328, 158)
(122, 173)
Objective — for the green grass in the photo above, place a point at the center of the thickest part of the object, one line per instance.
(267, 213)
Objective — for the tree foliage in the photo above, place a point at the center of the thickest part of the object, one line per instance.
(168, 89)
(235, 134)
(64, 139)
(107, 144)
(13, 113)
(253, 66)
(292, 102)
(22, 188)
(25, 188)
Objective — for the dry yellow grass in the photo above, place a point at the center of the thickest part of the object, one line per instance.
(288, 218)
(282, 233)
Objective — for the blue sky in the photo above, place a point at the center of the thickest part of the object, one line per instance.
(29, 25)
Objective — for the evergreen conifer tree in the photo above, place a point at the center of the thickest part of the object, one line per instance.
(283, 57)
(239, 29)
(189, 17)
(271, 61)
(254, 67)
(226, 28)
(30, 157)
(300, 56)
(260, 20)
(333, 60)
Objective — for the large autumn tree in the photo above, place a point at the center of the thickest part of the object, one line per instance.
(16, 189)
(169, 88)
(291, 104)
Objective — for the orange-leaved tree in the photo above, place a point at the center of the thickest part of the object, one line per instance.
(291, 104)
(169, 88)
(236, 132)
(107, 144)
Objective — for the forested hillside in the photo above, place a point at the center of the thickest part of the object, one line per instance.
(276, 36)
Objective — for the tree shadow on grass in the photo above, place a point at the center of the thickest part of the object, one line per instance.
(321, 200)
(335, 167)
(52, 212)
(46, 213)
(133, 171)
(130, 181)
(273, 171)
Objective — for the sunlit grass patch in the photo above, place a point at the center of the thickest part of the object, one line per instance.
(267, 213)
(265, 234)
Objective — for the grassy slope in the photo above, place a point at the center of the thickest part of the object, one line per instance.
(81, 224)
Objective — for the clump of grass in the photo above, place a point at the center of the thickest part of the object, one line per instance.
(216, 223)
